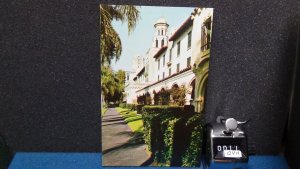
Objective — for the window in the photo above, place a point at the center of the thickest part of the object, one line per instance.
(162, 32)
(170, 72)
(158, 78)
(170, 57)
(163, 75)
(178, 67)
(178, 48)
(162, 43)
(157, 32)
(127, 77)
(188, 62)
(158, 63)
(156, 43)
(189, 39)
(205, 35)
(164, 59)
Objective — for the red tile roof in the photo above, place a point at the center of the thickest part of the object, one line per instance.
(188, 22)
(141, 71)
(160, 51)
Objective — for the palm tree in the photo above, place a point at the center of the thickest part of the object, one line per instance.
(110, 42)
(109, 83)
(112, 84)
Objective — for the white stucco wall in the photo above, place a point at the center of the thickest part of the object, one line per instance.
(151, 66)
(199, 18)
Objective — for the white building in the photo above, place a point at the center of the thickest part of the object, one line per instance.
(176, 59)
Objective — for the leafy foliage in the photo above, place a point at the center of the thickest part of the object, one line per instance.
(111, 45)
(152, 116)
(173, 135)
(162, 97)
(112, 84)
(139, 108)
(192, 155)
(144, 99)
(128, 106)
(178, 95)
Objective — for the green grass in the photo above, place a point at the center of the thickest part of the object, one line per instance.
(133, 119)
(103, 111)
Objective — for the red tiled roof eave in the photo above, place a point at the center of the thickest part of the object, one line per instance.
(141, 71)
(160, 51)
(188, 22)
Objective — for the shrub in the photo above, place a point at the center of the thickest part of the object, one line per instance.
(152, 116)
(192, 155)
(162, 97)
(148, 99)
(139, 108)
(168, 128)
(159, 122)
(122, 105)
(173, 134)
(130, 106)
(156, 98)
(178, 95)
(141, 99)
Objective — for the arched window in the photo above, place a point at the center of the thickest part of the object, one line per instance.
(162, 43)
(156, 43)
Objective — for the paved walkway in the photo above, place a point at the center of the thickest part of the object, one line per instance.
(120, 146)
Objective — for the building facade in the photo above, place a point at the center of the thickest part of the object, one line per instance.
(176, 59)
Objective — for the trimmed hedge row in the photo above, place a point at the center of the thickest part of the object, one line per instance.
(171, 133)
(139, 108)
(192, 155)
(153, 116)
(128, 106)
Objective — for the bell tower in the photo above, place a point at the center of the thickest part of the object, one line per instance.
(160, 35)
(160, 39)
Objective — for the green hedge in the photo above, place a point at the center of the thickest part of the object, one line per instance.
(128, 106)
(192, 155)
(171, 133)
(139, 108)
(153, 117)
(122, 105)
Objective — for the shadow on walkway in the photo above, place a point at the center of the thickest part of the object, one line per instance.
(120, 146)
(136, 140)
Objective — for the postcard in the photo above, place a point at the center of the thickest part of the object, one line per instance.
(154, 70)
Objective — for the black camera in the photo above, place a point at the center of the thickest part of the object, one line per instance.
(225, 144)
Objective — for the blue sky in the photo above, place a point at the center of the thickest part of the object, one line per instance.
(140, 40)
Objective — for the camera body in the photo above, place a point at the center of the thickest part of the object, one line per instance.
(226, 145)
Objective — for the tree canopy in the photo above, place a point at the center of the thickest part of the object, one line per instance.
(112, 84)
(110, 42)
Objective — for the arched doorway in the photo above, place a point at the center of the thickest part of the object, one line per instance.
(201, 88)
(201, 72)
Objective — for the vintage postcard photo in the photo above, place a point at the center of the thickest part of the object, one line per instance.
(154, 70)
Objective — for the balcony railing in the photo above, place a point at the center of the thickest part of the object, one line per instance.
(205, 46)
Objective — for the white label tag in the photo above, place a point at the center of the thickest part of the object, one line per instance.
(232, 153)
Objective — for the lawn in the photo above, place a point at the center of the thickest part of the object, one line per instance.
(103, 110)
(133, 119)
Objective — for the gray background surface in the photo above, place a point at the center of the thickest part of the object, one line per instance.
(49, 70)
